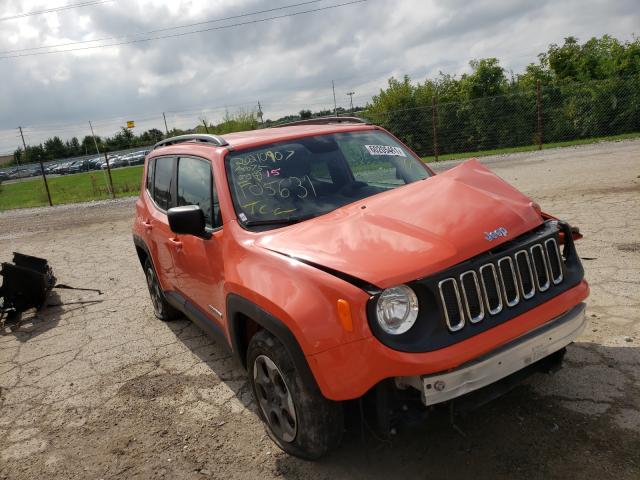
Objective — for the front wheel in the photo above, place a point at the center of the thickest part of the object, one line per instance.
(297, 417)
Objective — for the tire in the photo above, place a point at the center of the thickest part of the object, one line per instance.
(161, 307)
(297, 417)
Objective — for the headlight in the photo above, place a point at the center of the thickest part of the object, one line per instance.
(397, 309)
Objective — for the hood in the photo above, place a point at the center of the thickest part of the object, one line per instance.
(412, 231)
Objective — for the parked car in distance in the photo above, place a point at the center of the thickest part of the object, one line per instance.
(20, 173)
(94, 163)
(337, 266)
(137, 158)
(78, 166)
(115, 162)
(61, 168)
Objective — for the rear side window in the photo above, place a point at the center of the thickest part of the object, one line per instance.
(194, 185)
(163, 182)
(150, 166)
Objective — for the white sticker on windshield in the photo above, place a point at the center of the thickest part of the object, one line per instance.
(243, 217)
(385, 150)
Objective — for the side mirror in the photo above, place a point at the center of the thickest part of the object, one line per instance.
(187, 220)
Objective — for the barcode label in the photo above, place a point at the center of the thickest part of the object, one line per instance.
(385, 150)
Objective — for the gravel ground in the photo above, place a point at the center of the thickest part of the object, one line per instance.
(104, 390)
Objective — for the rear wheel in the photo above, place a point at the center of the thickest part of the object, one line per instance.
(161, 307)
(297, 417)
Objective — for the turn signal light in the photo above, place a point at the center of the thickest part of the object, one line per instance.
(344, 314)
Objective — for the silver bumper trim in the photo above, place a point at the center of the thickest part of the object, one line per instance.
(499, 363)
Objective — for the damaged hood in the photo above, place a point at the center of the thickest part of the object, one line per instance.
(412, 231)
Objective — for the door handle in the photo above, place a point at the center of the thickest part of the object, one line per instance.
(176, 243)
(147, 225)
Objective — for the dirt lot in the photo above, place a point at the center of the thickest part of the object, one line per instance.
(105, 390)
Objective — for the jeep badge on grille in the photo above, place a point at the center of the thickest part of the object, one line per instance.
(498, 232)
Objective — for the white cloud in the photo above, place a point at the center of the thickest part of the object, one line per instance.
(287, 64)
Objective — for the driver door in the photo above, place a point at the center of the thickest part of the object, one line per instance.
(199, 266)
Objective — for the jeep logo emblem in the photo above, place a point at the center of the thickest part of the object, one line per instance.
(498, 232)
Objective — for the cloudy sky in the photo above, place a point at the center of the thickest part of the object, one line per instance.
(287, 63)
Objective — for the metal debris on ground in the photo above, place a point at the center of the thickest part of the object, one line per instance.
(26, 283)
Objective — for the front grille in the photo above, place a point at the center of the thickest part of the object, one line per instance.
(488, 289)
(503, 282)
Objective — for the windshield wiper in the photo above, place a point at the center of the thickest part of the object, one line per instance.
(277, 221)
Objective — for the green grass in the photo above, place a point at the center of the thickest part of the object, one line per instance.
(83, 187)
(529, 148)
(80, 187)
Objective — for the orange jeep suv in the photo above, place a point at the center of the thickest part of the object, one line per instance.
(336, 266)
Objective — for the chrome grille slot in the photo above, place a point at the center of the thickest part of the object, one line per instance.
(554, 260)
(525, 274)
(452, 303)
(541, 269)
(491, 288)
(472, 296)
(509, 281)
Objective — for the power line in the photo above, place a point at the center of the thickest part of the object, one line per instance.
(177, 27)
(56, 9)
(250, 22)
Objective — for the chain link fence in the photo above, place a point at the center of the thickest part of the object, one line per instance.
(545, 114)
(541, 115)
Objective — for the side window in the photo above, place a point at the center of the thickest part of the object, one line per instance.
(150, 166)
(195, 187)
(163, 182)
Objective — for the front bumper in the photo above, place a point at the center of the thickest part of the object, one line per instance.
(498, 364)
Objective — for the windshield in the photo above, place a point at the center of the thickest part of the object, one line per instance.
(291, 181)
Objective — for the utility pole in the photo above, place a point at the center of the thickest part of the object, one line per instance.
(335, 108)
(351, 99)
(260, 113)
(44, 177)
(23, 144)
(165, 123)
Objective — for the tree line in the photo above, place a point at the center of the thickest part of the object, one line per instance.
(574, 90)
(585, 90)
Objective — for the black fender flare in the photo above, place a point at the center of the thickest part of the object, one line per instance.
(237, 307)
(142, 245)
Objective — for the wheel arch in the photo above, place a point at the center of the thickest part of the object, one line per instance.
(142, 250)
(242, 314)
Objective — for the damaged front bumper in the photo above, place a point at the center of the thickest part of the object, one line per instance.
(500, 363)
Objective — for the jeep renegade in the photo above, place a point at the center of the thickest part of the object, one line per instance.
(334, 263)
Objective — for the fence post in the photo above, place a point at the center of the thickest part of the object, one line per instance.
(46, 184)
(434, 122)
(113, 192)
(539, 111)
(44, 177)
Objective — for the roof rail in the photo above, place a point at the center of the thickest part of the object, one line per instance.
(324, 121)
(216, 140)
